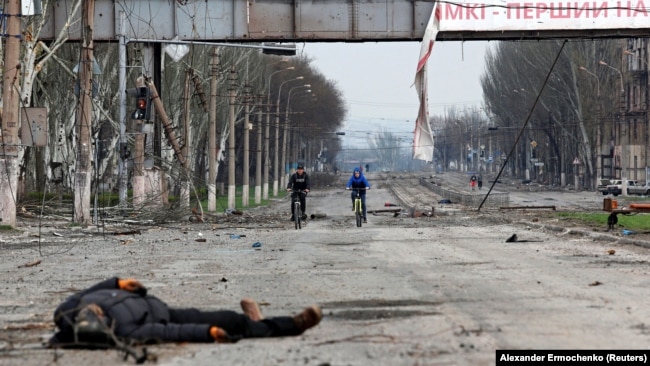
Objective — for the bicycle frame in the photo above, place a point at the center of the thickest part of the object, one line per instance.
(358, 206)
(296, 209)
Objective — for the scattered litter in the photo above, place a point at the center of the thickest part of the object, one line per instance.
(126, 241)
(56, 234)
(131, 232)
(197, 216)
(595, 283)
(234, 236)
(388, 204)
(201, 240)
(514, 239)
(257, 244)
(31, 264)
(611, 252)
(628, 232)
(223, 279)
(445, 200)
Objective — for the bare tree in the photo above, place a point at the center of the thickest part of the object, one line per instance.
(558, 129)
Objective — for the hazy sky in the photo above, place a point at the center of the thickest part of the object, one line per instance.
(376, 79)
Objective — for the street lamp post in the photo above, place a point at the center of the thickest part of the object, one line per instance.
(601, 62)
(599, 133)
(460, 143)
(636, 67)
(284, 177)
(267, 160)
(622, 107)
(641, 65)
(277, 136)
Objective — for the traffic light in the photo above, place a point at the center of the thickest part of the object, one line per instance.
(142, 103)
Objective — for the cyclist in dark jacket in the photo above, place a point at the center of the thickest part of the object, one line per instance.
(122, 307)
(358, 180)
(299, 181)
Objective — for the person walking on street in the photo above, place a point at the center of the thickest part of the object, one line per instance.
(120, 309)
(472, 181)
(299, 185)
(480, 182)
(358, 180)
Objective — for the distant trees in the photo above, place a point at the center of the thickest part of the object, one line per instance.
(54, 87)
(578, 101)
(563, 125)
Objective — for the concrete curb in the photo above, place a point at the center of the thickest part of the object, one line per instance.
(587, 233)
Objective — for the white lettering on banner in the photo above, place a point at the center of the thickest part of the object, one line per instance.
(493, 15)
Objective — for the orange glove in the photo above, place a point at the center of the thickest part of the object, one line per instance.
(131, 285)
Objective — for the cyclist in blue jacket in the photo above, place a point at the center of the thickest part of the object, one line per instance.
(358, 180)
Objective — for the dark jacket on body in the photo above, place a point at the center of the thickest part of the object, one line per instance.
(132, 315)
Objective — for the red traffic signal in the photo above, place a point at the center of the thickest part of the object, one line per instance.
(142, 103)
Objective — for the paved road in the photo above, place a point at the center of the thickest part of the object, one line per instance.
(446, 290)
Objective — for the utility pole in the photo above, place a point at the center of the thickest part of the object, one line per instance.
(138, 179)
(84, 117)
(231, 139)
(185, 186)
(138, 166)
(285, 143)
(10, 100)
(267, 158)
(246, 177)
(258, 165)
(212, 137)
(276, 170)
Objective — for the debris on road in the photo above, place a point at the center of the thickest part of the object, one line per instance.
(514, 239)
(131, 232)
(527, 208)
(30, 264)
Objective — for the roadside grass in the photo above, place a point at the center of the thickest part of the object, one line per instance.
(111, 199)
(222, 200)
(108, 199)
(631, 222)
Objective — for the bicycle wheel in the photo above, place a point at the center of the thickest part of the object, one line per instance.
(296, 214)
(357, 212)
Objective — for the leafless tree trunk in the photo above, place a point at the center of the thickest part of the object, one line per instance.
(84, 118)
(10, 117)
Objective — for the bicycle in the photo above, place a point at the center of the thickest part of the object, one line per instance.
(296, 209)
(358, 206)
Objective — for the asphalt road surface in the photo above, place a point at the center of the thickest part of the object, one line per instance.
(440, 290)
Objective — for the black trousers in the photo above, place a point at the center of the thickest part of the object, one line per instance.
(236, 324)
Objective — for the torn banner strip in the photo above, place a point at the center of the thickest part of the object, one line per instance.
(422, 136)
